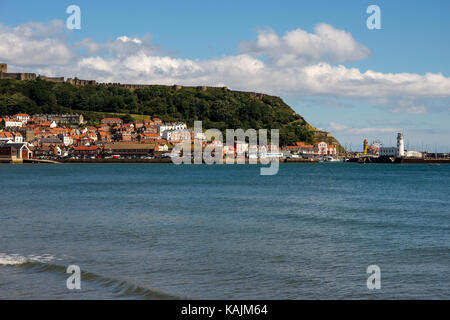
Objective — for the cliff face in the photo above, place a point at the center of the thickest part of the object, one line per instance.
(218, 108)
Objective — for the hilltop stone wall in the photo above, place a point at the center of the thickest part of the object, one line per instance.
(18, 76)
(52, 79)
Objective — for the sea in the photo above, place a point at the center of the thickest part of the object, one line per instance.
(165, 231)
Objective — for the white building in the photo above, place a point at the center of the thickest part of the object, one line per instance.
(171, 126)
(414, 154)
(22, 117)
(176, 135)
(398, 151)
(67, 140)
(321, 148)
(400, 145)
(9, 123)
(18, 138)
(388, 152)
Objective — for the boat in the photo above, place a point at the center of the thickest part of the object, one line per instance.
(331, 159)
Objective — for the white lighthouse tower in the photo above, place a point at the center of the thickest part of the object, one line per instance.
(400, 145)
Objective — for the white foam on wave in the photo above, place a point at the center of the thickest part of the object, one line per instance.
(17, 259)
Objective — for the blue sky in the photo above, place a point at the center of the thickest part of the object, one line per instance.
(413, 40)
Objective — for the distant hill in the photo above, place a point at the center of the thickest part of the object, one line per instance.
(217, 107)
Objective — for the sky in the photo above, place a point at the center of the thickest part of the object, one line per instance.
(319, 56)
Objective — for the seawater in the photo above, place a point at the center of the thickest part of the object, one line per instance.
(161, 231)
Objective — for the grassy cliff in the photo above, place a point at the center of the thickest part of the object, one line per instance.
(217, 107)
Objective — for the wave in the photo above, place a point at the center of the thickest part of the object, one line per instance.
(121, 288)
(17, 259)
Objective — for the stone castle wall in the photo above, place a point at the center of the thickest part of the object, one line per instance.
(52, 79)
(18, 76)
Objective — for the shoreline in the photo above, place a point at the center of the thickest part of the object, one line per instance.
(169, 161)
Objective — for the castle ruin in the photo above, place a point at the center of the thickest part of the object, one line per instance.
(17, 76)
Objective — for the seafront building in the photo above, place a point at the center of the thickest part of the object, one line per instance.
(50, 136)
(320, 149)
(399, 151)
(65, 135)
(14, 152)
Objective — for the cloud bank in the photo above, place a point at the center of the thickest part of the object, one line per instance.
(298, 47)
(297, 64)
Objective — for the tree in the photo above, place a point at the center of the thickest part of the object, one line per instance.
(127, 118)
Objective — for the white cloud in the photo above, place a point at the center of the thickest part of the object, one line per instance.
(121, 47)
(126, 39)
(298, 47)
(138, 60)
(409, 106)
(35, 44)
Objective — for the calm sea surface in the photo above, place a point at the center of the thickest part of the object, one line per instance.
(157, 231)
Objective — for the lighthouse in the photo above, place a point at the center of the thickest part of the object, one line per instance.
(365, 146)
(400, 145)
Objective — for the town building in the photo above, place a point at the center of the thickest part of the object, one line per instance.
(11, 123)
(112, 121)
(398, 151)
(23, 117)
(60, 118)
(177, 135)
(66, 139)
(170, 127)
(15, 151)
(321, 148)
(148, 137)
(85, 150)
(129, 149)
(6, 137)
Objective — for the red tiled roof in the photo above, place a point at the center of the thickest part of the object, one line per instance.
(5, 135)
(153, 135)
(86, 148)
